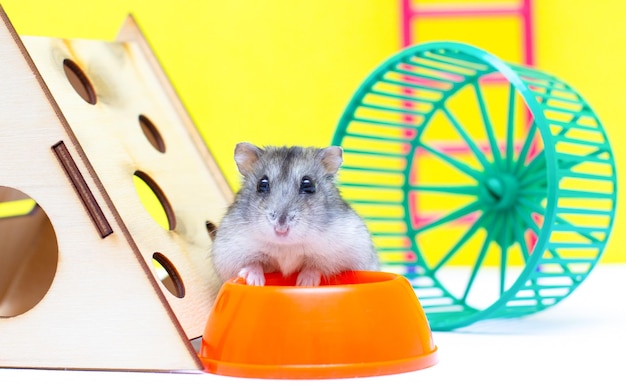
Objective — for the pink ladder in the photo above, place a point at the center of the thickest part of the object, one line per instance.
(411, 9)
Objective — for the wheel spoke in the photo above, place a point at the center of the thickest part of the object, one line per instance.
(532, 206)
(503, 261)
(448, 189)
(532, 193)
(538, 163)
(461, 212)
(519, 234)
(481, 258)
(482, 220)
(466, 137)
(510, 127)
(504, 246)
(456, 164)
(518, 229)
(534, 180)
(530, 136)
(495, 150)
(528, 221)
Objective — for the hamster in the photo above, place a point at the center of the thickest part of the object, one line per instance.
(289, 216)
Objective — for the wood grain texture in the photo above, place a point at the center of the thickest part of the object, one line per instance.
(105, 308)
(110, 134)
(82, 189)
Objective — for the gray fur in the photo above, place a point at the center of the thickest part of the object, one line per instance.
(286, 230)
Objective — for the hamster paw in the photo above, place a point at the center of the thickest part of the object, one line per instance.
(253, 275)
(309, 277)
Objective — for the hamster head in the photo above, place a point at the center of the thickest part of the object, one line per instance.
(288, 194)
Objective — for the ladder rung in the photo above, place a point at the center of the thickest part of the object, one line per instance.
(454, 10)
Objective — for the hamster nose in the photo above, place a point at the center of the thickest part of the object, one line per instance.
(283, 218)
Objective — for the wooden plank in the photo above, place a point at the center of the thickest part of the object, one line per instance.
(128, 90)
(104, 308)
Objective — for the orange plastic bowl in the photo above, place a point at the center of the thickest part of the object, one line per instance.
(355, 324)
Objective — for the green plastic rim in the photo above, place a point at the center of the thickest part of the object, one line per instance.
(491, 186)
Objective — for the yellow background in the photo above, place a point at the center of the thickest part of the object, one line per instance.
(281, 71)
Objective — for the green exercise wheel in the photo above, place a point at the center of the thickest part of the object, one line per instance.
(491, 186)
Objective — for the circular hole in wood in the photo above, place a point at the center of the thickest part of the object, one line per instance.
(211, 228)
(28, 253)
(154, 200)
(168, 275)
(152, 133)
(79, 81)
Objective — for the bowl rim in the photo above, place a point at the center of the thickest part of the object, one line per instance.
(321, 371)
(372, 278)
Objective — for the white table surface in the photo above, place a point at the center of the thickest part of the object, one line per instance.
(581, 341)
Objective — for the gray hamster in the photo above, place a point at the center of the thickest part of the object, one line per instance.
(289, 216)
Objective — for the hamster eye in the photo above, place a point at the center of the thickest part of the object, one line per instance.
(307, 186)
(263, 186)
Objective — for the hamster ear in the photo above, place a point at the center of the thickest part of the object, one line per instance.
(331, 158)
(246, 155)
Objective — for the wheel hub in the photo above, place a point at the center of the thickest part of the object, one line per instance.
(500, 192)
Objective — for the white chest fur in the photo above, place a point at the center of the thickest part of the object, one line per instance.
(284, 258)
